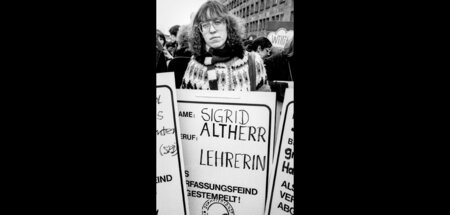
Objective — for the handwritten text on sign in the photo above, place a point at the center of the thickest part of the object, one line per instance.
(281, 197)
(171, 190)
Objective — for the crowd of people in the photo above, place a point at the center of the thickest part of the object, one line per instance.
(211, 53)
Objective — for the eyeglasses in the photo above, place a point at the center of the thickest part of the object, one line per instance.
(206, 26)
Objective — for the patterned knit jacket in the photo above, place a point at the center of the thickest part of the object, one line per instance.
(231, 75)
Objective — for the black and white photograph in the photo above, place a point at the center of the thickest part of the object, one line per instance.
(224, 80)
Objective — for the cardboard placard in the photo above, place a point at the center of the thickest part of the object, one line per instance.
(280, 37)
(170, 183)
(279, 109)
(227, 141)
(281, 197)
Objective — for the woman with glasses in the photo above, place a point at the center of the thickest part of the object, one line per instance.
(219, 61)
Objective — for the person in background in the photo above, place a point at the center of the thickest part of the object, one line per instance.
(162, 39)
(182, 55)
(281, 67)
(173, 33)
(171, 47)
(219, 61)
(160, 58)
(183, 42)
(247, 43)
(262, 46)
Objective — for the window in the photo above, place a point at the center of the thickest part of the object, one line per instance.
(282, 1)
(262, 5)
(247, 11)
(243, 15)
(292, 16)
(281, 16)
(257, 7)
(251, 10)
(275, 2)
(267, 4)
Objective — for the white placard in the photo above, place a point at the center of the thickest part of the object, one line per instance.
(279, 110)
(227, 141)
(280, 37)
(170, 183)
(281, 196)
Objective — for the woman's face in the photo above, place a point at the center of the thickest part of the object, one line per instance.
(161, 41)
(264, 53)
(214, 32)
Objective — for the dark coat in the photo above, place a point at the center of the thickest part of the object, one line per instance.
(178, 65)
(183, 52)
(277, 67)
(161, 65)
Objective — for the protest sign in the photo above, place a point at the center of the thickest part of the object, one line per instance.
(290, 84)
(227, 145)
(279, 33)
(281, 197)
(170, 183)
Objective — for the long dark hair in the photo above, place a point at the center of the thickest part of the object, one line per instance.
(161, 35)
(260, 41)
(235, 29)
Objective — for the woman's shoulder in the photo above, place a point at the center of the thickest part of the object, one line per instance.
(237, 62)
(277, 57)
(195, 65)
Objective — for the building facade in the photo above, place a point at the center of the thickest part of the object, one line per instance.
(257, 13)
